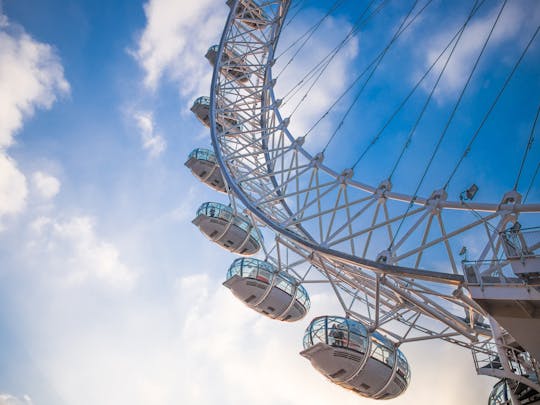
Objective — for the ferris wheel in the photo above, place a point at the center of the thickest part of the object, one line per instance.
(403, 265)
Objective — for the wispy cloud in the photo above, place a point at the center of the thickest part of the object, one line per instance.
(72, 251)
(6, 399)
(31, 76)
(151, 141)
(514, 25)
(45, 184)
(329, 86)
(174, 41)
(13, 187)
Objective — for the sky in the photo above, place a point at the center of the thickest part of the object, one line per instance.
(108, 294)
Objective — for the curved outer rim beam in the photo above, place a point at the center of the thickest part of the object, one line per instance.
(305, 240)
(379, 267)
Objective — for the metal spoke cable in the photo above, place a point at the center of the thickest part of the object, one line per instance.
(307, 35)
(429, 98)
(375, 61)
(479, 216)
(325, 61)
(299, 6)
(378, 62)
(413, 90)
(532, 182)
(441, 137)
(347, 38)
(499, 94)
(458, 102)
(528, 148)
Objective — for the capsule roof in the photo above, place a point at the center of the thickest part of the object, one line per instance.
(203, 154)
(202, 100)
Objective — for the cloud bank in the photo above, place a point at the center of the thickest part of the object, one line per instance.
(151, 141)
(31, 77)
(174, 41)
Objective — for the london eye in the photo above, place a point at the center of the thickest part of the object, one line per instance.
(409, 191)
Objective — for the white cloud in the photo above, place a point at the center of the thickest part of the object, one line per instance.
(4, 22)
(195, 343)
(71, 250)
(151, 141)
(46, 185)
(187, 208)
(31, 76)
(177, 36)
(331, 84)
(6, 399)
(13, 189)
(246, 351)
(514, 25)
(175, 39)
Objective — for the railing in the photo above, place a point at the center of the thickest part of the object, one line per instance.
(519, 246)
(486, 358)
(520, 243)
(489, 272)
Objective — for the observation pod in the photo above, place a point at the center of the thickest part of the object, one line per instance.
(203, 165)
(261, 286)
(232, 231)
(201, 109)
(504, 389)
(250, 13)
(500, 394)
(346, 353)
(232, 64)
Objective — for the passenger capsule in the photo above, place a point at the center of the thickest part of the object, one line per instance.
(232, 66)
(201, 109)
(203, 164)
(250, 14)
(261, 286)
(505, 389)
(500, 394)
(346, 353)
(232, 231)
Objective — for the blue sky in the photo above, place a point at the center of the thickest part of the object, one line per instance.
(108, 294)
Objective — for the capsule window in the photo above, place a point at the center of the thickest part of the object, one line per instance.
(382, 353)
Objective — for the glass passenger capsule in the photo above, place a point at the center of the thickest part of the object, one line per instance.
(201, 109)
(250, 13)
(203, 164)
(505, 389)
(232, 231)
(500, 394)
(261, 286)
(232, 64)
(346, 353)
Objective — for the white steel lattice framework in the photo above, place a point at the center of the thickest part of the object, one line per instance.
(337, 223)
